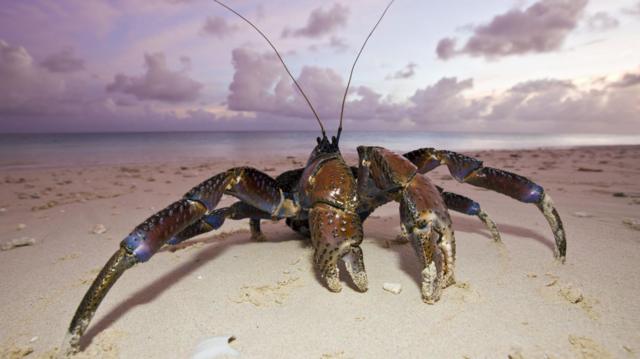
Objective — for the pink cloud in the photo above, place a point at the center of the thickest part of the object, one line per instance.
(321, 22)
(63, 61)
(407, 72)
(602, 21)
(218, 27)
(542, 27)
(629, 79)
(158, 82)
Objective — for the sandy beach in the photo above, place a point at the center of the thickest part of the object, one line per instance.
(511, 301)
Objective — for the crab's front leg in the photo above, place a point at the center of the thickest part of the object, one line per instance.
(423, 214)
(336, 235)
(249, 185)
(470, 170)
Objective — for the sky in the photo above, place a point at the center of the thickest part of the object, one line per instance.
(517, 66)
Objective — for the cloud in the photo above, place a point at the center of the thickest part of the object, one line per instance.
(262, 87)
(321, 22)
(602, 21)
(444, 102)
(339, 44)
(158, 83)
(63, 61)
(218, 27)
(560, 105)
(407, 72)
(25, 86)
(446, 48)
(633, 11)
(629, 79)
(540, 28)
(260, 84)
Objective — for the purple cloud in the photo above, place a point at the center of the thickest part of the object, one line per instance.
(629, 79)
(602, 21)
(321, 22)
(25, 87)
(260, 84)
(542, 27)
(633, 11)
(339, 44)
(406, 73)
(63, 61)
(158, 83)
(218, 27)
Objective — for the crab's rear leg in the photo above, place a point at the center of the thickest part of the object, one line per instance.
(423, 214)
(250, 185)
(470, 170)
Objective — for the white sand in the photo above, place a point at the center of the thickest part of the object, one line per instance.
(514, 300)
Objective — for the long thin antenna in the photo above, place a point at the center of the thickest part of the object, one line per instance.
(281, 60)
(346, 91)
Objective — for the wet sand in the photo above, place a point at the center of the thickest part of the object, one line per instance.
(509, 300)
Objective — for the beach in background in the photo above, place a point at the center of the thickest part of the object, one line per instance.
(70, 200)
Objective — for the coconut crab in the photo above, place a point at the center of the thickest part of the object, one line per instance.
(328, 201)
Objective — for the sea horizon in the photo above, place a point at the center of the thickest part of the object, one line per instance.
(64, 149)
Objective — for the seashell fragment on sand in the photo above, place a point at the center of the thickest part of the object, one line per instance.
(394, 288)
(99, 229)
(213, 347)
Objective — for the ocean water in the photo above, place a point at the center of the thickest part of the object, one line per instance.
(61, 150)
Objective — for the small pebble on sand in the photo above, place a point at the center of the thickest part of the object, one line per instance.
(17, 242)
(572, 294)
(632, 223)
(394, 288)
(99, 229)
(582, 214)
(21, 226)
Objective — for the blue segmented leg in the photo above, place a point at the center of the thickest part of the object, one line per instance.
(216, 218)
(249, 185)
(423, 214)
(462, 204)
(470, 170)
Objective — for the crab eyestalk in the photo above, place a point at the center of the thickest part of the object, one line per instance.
(113, 269)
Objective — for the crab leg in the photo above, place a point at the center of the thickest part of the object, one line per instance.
(215, 219)
(373, 198)
(422, 211)
(336, 234)
(250, 185)
(462, 204)
(470, 170)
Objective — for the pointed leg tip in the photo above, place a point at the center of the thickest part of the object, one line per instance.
(70, 346)
(334, 286)
(333, 282)
(258, 237)
(402, 238)
(429, 301)
(361, 282)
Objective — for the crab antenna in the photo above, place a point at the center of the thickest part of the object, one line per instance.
(346, 91)
(281, 60)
